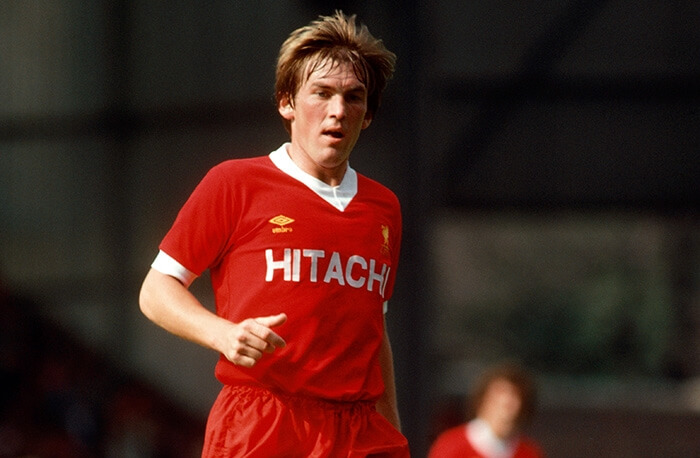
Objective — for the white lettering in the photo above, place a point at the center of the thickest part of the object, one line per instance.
(314, 255)
(296, 264)
(335, 270)
(352, 260)
(373, 276)
(384, 281)
(285, 264)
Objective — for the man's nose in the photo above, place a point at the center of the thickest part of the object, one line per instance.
(337, 107)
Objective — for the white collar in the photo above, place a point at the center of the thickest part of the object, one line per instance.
(339, 196)
(486, 442)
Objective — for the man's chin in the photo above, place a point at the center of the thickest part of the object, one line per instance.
(332, 158)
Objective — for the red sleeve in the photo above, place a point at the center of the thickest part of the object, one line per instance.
(204, 224)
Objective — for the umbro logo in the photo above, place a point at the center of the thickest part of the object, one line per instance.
(281, 222)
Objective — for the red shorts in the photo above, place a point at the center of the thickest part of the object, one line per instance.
(253, 422)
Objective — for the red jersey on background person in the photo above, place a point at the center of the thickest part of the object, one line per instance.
(502, 404)
(302, 252)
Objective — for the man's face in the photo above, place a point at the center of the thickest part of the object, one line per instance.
(327, 115)
(501, 407)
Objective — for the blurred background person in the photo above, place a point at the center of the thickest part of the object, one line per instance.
(500, 406)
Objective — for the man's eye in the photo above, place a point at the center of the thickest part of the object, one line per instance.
(355, 98)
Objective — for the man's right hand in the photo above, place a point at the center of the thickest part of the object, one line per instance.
(250, 339)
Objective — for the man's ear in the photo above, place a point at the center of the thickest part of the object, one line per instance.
(367, 121)
(286, 109)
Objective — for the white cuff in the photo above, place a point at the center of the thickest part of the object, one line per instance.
(169, 266)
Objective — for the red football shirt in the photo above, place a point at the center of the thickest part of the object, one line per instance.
(456, 443)
(277, 240)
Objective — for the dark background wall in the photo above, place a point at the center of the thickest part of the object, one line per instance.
(546, 155)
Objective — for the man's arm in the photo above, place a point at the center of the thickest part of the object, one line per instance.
(170, 305)
(387, 404)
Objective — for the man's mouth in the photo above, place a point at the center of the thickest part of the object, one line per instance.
(334, 133)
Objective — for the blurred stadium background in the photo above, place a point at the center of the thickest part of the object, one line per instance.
(546, 155)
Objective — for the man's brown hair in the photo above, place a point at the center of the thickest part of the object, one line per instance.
(334, 39)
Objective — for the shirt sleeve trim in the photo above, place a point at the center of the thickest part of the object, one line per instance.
(167, 265)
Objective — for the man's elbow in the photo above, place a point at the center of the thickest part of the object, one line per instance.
(147, 296)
